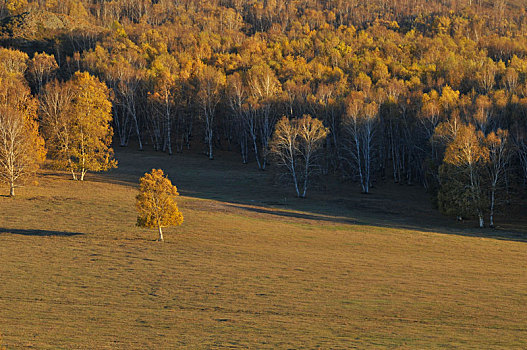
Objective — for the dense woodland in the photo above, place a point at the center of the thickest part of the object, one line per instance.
(416, 92)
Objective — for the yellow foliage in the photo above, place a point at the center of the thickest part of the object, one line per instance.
(77, 10)
(156, 202)
(76, 119)
(449, 98)
(466, 149)
(16, 6)
(12, 62)
(21, 147)
(119, 30)
(92, 131)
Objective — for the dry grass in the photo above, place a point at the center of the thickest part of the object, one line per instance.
(76, 273)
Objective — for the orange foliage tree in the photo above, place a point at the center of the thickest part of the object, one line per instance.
(76, 119)
(156, 202)
(462, 175)
(21, 147)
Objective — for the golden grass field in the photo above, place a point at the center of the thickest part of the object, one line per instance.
(251, 267)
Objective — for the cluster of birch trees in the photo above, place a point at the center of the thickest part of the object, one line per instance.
(67, 121)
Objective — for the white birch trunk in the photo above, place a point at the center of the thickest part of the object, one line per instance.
(160, 239)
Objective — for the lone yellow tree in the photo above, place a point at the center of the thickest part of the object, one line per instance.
(156, 202)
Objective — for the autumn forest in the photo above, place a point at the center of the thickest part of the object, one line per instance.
(427, 93)
(263, 174)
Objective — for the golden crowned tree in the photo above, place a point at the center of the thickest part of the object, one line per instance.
(21, 147)
(15, 7)
(462, 175)
(76, 119)
(91, 128)
(156, 202)
(41, 69)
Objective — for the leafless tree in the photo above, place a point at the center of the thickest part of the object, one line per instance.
(295, 145)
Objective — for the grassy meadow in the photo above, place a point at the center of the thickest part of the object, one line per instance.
(251, 267)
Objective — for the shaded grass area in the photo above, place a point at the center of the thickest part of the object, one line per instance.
(75, 272)
(227, 180)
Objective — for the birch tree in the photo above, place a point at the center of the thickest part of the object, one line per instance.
(359, 125)
(92, 132)
(21, 147)
(164, 79)
(41, 69)
(284, 147)
(264, 87)
(236, 98)
(311, 135)
(211, 83)
(462, 175)
(156, 202)
(55, 111)
(76, 122)
(497, 144)
(296, 144)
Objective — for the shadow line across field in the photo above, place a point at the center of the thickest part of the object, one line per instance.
(39, 233)
(325, 211)
(297, 215)
(237, 187)
(499, 234)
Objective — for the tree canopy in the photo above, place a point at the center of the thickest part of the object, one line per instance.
(156, 202)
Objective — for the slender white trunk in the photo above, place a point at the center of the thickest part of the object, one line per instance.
(12, 190)
(168, 121)
(295, 180)
(359, 163)
(481, 221)
(306, 174)
(211, 155)
(366, 169)
(83, 170)
(492, 201)
(255, 145)
(160, 239)
(367, 157)
(138, 133)
(169, 133)
(243, 148)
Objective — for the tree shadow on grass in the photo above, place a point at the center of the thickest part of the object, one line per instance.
(38, 233)
(297, 215)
